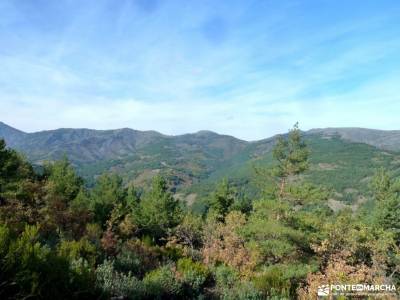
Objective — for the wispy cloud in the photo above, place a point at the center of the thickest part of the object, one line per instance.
(247, 69)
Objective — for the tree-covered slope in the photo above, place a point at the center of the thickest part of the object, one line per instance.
(11, 135)
(382, 139)
(341, 159)
(340, 165)
(138, 155)
(60, 239)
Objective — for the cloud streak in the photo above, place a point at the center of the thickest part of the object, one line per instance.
(246, 69)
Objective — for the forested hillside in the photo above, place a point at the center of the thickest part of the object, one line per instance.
(343, 160)
(63, 239)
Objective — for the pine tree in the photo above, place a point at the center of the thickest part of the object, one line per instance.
(158, 210)
(222, 199)
(292, 156)
(63, 183)
(386, 192)
(106, 194)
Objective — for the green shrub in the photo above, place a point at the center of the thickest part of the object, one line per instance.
(225, 277)
(116, 284)
(193, 275)
(241, 291)
(4, 240)
(128, 261)
(30, 269)
(229, 286)
(273, 283)
(162, 283)
(282, 280)
(74, 250)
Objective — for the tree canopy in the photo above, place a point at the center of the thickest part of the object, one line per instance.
(60, 239)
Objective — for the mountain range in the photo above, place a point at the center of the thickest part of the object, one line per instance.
(342, 158)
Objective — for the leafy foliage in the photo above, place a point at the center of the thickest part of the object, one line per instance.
(158, 210)
(60, 239)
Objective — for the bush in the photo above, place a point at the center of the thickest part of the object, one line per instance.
(128, 261)
(193, 275)
(148, 257)
(242, 291)
(229, 286)
(162, 283)
(82, 277)
(30, 269)
(74, 250)
(225, 277)
(4, 240)
(273, 283)
(282, 280)
(115, 284)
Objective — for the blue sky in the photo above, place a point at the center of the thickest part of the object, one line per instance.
(245, 68)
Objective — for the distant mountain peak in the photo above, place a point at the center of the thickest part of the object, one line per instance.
(4, 126)
(195, 158)
(206, 132)
(11, 134)
(130, 138)
(383, 139)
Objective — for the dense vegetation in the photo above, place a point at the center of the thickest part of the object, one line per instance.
(62, 240)
(342, 160)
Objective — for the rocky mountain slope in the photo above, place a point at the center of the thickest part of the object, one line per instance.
(342, 158)
(382, 139)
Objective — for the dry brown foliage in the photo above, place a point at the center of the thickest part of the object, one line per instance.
(339, 271)
(223, 243)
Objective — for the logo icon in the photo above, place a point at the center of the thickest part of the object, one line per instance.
(323, 290)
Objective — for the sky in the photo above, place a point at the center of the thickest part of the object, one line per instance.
(249, 69)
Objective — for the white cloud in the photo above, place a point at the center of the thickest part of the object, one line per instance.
(125, 68)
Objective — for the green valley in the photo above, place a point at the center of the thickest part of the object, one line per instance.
(341, 159)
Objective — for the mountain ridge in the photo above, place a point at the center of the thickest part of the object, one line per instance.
(344, 157)
(84, 145)
(383, 139)
(326, 131)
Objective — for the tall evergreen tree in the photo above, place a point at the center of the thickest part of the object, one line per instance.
(107, 193)
(13, 168)
(222, 199)
(63, 183)
(292, 156)
(386, 192)
(158, 210)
